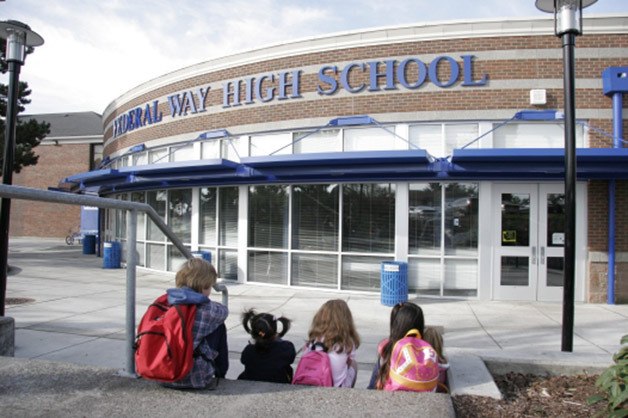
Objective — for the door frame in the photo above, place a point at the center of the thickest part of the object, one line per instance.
(535, 292)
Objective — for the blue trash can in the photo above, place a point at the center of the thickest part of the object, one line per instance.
(111, 255)
(394, 282)
(89, 244)
(205, 255)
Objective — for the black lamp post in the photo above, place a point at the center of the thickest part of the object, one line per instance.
(18, 36)
(568, 25)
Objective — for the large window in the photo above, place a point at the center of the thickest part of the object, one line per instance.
(443, 250)
(268, 216)
(315, 217)
(368, 218)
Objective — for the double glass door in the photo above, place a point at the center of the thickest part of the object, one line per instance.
(529, 238)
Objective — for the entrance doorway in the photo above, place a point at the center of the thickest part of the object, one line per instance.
(528, 258)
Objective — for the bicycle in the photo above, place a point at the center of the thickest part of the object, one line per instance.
(73, 236)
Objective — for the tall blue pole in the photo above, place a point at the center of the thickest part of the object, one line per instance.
(617, 135)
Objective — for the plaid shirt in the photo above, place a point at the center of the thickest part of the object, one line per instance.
(209, 316)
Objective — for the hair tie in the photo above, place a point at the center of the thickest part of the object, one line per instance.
(261, 334)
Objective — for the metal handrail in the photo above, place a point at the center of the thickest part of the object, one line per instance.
(27, 193)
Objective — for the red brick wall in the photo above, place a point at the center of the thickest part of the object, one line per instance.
(41, 219)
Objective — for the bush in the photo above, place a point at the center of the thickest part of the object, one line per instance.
(614, 384)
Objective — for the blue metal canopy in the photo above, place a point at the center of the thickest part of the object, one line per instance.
(465, 164)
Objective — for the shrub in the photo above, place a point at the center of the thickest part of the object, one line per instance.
(614, 384)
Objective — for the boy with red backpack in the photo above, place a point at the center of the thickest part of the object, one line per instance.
(207, 357)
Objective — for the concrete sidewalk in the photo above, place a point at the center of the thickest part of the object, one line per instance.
(67, 308)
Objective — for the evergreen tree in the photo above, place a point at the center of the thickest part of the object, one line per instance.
(28, 133)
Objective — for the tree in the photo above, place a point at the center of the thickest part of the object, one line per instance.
(28, 133)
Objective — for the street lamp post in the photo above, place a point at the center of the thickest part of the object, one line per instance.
(568, 25)
(18, 36)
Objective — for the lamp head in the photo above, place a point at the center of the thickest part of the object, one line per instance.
(567, 14)
(18, 35)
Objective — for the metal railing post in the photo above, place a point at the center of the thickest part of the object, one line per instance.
(131, 264)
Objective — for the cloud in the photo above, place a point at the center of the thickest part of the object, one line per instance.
(95, 51)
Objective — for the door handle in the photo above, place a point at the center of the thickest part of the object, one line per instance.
(533, 255)
(542, 255)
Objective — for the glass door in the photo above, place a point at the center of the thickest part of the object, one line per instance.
(529, 242)
(515, 236)
(551, 242)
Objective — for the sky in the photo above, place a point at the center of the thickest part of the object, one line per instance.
(94, 51)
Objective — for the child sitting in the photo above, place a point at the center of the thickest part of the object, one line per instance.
(435, 339)
(269, 358)
(194, 281)
(406, 318)
(333, 327)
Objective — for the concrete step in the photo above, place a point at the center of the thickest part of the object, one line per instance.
(29, 387)
(468, 375)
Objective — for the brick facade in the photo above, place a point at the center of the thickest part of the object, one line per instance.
(511, 76)
(40, 219)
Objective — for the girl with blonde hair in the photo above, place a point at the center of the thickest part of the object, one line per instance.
(333, 327)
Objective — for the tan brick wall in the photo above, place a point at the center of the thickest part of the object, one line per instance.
(29, 218)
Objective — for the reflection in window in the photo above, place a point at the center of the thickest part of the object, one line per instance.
(424, 218)
(515, 219)
(371, 139)
(183, 153)
(329, 140)
(514, 271)
(228, 216)
(315, 270)
(555, 220)
(361, 273)
(368, 223)
(315, 217)
(141, 215)
(461, 218)
(268, 267)
(157, 200)
(555, 271)
(180, 213)
(207, 216)
(268, 216)
(228, 264)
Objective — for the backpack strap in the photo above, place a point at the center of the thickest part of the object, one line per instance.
(414, 331)
(315, 344)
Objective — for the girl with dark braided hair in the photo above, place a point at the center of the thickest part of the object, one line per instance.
(267, 357)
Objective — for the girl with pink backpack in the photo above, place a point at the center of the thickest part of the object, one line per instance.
(334, 332)
(406, 362)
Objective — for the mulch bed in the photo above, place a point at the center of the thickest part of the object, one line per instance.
(527, 395)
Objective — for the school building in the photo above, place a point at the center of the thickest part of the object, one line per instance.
(310, 162)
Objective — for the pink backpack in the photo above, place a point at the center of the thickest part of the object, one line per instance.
(314, 368)
(413, 365)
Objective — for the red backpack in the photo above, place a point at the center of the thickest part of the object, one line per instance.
(314, 368)
(164, 345)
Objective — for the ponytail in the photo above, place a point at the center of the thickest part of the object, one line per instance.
(285, 325)
(263, 327)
